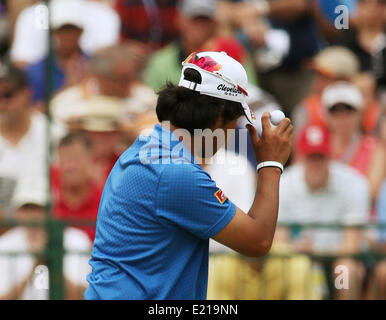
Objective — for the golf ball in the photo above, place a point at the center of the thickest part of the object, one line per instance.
(277, 116)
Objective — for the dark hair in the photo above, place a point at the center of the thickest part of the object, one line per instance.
(188, 109)
(74, 137)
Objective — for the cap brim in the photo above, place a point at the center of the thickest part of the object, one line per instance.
(248, 113)
(307, 151)
(199, 14)
(350, 104)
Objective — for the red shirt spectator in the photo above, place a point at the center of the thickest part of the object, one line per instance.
(344, 104)
(75, 194)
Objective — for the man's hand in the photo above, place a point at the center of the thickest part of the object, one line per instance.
(275, 144)
(252, 234)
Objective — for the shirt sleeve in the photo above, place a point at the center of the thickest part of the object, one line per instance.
(188, 198)
(29, 44)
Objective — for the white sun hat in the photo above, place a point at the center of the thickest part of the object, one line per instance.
(222, 77)
(67, 12)
(342, 92)
(30, 191)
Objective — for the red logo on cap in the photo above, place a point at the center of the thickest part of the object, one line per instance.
(207, 63)
(220, 196)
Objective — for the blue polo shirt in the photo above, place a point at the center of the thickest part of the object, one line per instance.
(156, 214)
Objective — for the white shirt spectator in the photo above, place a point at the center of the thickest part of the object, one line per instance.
(17, 268)
(102, 29)
(27, 159)
(345, 200)
(236, 177)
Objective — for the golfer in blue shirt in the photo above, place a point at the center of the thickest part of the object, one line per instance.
(159, 207)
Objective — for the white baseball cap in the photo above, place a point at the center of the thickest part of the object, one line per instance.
(222, 77)
(342, 92)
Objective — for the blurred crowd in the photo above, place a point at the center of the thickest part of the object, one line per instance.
(78, 84)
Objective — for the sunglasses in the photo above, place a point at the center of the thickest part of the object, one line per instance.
(340, 108)
(209, 64)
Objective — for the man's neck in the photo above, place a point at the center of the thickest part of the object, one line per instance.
(189, 146)
(173, 128)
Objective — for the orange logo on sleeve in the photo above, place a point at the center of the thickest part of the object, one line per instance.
(220, 196)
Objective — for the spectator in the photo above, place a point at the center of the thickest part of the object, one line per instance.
(366, 38)
(330, 65)
(344, 105)
(75, 193)
(113, 72)
(289, 81)
(151, 22)
(268, 46)
(69, 62)
(101, 28)
(19, 271)
(117, 71)
(22, 135)
(99, 119)
(196, 24)
(318, 190)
